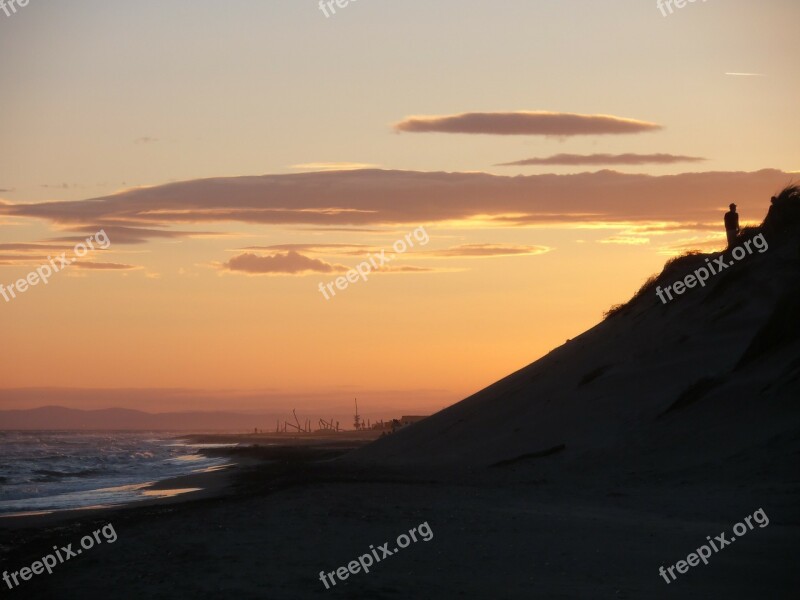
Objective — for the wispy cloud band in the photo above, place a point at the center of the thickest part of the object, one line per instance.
(387, 198)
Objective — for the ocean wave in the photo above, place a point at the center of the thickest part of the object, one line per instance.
(49, 469)
(49, 475)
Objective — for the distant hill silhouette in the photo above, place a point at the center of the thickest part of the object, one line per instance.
(60, 418)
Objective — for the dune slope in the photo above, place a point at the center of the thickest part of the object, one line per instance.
(715, 371)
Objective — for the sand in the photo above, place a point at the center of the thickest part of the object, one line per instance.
(501, 533)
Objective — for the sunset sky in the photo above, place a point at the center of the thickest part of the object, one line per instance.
(238, 154)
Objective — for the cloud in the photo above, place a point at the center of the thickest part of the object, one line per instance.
(38, 248)
(463, 251)
(61, 186)
(133, 235)
(100, 266)
(625, 240)
(664, 228)
(32, 253)
(326, 249)
(604, 159)
(294, 263)
(401, 199)
(407, 269)
(146, 140)
(9, 259)
(5, 191)
(344, 229)
(746, 74)
(332, 166)
(290, 263)
(43, 252)
(707, 244)
(524, 123)
(488, 250)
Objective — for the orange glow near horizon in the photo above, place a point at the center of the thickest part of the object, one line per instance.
(233, 179)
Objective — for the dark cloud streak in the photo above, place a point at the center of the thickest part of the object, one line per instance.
(290, 263)
(105, 266)
(604, 159)
(487, 250)
(525, 123)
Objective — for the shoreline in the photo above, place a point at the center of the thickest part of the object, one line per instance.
(245, 464)
(208, 484)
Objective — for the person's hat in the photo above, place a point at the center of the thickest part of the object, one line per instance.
(732, 205)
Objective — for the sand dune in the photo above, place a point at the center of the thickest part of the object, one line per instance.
(718, 362)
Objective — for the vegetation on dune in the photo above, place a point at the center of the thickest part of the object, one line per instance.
(781, 223)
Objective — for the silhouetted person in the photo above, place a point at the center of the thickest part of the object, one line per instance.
(732, 225)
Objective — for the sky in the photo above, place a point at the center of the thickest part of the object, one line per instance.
(545, 157)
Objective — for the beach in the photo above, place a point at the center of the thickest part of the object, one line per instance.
(509, 534)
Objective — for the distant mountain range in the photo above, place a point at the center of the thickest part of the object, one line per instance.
(61, 418)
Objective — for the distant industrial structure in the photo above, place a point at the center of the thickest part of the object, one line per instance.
(396, 424)
(331, 426)
(357, 420)
(287, 427)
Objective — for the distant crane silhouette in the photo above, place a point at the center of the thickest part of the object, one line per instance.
(357, 422)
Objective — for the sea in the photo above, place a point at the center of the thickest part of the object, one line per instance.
(48, 471)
